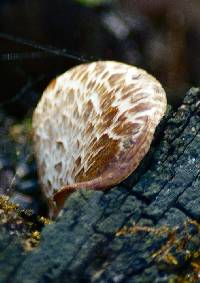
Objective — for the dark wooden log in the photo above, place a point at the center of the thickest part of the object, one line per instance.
(83, 244)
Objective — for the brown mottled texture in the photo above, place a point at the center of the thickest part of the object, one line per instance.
(52, 85)
(93, 126)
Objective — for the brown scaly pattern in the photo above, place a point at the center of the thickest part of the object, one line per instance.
(93, 126)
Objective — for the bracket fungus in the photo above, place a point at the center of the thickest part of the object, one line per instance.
(93, 126)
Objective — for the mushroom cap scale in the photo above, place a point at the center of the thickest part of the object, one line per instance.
(93, 126)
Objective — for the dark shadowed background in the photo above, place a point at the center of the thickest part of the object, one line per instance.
(162, 36)
(40, 39)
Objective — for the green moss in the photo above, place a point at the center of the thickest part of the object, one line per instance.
(94, 2)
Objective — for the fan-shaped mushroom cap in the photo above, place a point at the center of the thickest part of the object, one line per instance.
(93, 126)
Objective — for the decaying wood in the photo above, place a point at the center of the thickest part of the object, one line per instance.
(83, 244)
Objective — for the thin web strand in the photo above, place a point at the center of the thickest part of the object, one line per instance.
(10, 56)
(46, 48)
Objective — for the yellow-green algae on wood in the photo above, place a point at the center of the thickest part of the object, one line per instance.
(19, 222)
(179, 253)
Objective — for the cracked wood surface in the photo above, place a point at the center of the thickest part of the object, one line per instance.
(82, 246)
